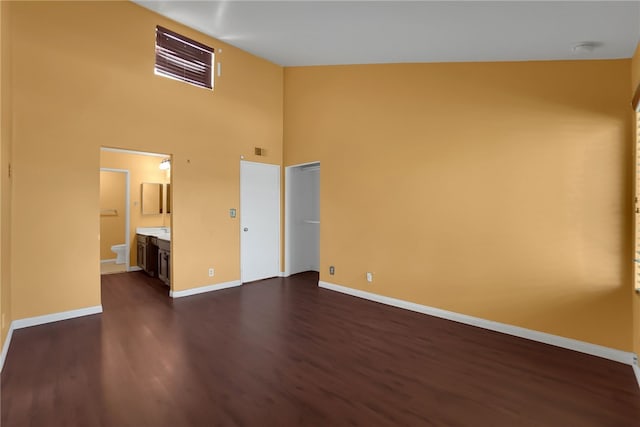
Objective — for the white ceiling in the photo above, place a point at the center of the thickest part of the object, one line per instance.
(304, 32)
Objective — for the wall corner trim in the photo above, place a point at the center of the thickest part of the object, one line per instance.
(54, 317)
(203, 289)
(636, 369)
(5, 346)
(583, 347)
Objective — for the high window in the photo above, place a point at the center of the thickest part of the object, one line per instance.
(180, 58)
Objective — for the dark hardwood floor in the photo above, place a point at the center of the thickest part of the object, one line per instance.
(283, 352)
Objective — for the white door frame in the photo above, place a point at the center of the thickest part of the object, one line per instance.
(126, 208)
(287, 215)
(279, 216)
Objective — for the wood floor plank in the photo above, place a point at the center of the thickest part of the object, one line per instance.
(283, 352)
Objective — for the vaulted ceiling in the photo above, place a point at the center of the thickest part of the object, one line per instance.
(292, 33)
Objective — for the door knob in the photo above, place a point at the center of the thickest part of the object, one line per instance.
(246, 229)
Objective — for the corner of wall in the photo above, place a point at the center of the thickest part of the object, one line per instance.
(635, 83)
(5, 179)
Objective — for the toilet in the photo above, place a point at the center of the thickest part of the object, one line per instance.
(121, 252)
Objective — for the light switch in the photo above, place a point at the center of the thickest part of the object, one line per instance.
(232, 213)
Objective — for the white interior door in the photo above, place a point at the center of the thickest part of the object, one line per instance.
(259, 221)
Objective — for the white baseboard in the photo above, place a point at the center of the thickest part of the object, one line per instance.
(107, 261)
(636, 369)
(54, 317)
(203, 289)
(40, 320)
(288, 273)
(555, 340)
(135, 268)
(5, 347)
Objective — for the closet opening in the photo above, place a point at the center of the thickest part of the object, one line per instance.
(302, 218)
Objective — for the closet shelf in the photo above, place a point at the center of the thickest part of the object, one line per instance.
(310, 221)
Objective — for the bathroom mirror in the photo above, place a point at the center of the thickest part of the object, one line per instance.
(168, 191)
(151, 198)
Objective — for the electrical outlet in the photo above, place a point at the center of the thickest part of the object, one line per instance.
(332, 270)
(211, 272)
(369, 276)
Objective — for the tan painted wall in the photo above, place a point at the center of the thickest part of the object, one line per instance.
(78, 85)
(497, 190)
(5, 183)
(635, 82)
(141, 169)
(112, 212)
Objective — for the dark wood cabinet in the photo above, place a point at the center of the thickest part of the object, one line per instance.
(142, 252)
(147, 254)
(164, 261)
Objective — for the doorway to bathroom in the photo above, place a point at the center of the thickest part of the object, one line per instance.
(114, 220)
(135, 220)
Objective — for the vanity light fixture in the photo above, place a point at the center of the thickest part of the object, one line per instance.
(165, 164)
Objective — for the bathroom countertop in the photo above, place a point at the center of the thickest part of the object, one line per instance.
(162, 233)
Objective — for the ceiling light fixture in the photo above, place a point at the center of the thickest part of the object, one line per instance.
(165, 164)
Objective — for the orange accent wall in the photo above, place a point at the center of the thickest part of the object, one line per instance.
(79, 85)
(496, 190)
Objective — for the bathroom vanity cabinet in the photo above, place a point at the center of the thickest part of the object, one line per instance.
(147, 255)
(164, 261)
(154, 257)
(142, 251)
